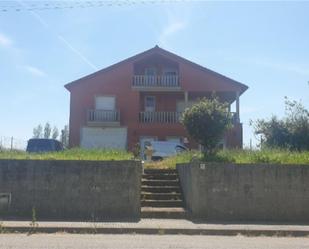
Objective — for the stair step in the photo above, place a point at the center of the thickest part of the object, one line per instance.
(161, 203)
(160, 177)
(161, 196)
(160, 171)
(161, 189)
(163, 213)
(160, 183)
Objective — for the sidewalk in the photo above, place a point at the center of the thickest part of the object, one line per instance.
(155, 226)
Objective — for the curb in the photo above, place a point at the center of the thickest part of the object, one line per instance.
(156, 231)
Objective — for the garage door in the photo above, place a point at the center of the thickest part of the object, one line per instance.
(111, 138)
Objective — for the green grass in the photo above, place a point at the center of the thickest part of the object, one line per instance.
(230, 156)
(171, 162)
(270, 156)
(72, 154)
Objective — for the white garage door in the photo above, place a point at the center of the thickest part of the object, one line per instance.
(109, 138)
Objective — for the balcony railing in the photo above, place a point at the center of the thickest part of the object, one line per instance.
(103, 116)
(160, 117)
(153, 81)
(169, 117)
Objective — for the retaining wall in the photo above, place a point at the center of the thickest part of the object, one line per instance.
(84, 190)
(255, 192)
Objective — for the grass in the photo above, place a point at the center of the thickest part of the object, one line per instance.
(72, 154)
(229, 156)
(270, 156)
(171, 162)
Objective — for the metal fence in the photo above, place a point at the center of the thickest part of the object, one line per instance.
(12, 143)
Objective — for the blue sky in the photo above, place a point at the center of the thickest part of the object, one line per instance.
(264, 45)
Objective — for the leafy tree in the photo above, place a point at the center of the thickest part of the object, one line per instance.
(55, 133)
(64, 137)
(37, 131)
(290, 132)
(47, 130)
(206, 123)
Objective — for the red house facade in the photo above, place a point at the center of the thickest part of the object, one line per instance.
(142, 98)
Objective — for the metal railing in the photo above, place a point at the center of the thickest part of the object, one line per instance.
(160, 117)
(103, 116)
(155, 81)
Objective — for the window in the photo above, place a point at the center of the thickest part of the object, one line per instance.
(180, 149)
(151, 71)
(105, 103)
(150, 103)
(174, 139)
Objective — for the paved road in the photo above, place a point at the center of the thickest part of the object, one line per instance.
(68, 241)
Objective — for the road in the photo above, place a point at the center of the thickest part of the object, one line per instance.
(68, 241)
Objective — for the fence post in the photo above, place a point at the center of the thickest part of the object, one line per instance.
(12, 143)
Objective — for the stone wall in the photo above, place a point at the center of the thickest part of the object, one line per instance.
(83, 190)
(228, 192)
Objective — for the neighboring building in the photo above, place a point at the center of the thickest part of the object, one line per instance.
(142, 97)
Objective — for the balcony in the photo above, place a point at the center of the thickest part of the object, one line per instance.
(103, 118)
(169, 117)
(160, 117)
(156, 83)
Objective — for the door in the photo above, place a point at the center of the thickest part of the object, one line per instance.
(150, 103)
(105, 103)
(150, 76)
(109, 138)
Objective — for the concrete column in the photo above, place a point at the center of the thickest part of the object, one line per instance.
(186, 97)
(237, 107)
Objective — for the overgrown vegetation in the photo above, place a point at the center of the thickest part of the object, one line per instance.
(231, 156)
(33, 224)
(206, 123)
(290, 132)
(72, 154)
(272, 156)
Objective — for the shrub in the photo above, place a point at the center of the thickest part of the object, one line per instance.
(206, 123)
(291, 132)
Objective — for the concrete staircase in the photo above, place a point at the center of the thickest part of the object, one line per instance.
(161, 194)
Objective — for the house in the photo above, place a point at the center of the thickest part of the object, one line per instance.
(141, 99)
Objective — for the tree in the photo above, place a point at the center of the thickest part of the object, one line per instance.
(37, 131)
(55, 133)
(64, 137)
(47, 130)
(290, 132)
(206, 123)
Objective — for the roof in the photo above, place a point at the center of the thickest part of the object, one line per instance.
(159, 51)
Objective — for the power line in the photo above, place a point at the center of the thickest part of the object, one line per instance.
(10, 6)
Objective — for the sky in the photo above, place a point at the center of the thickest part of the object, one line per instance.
(264, 45)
